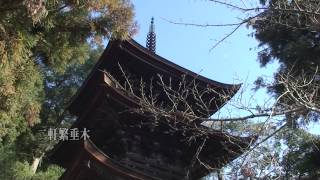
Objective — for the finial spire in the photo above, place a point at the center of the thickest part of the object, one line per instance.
(151, 37)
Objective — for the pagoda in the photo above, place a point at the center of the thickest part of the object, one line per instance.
(122, 144)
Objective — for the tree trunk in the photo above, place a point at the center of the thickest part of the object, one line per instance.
(35, 163)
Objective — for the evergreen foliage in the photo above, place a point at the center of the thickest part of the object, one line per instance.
(46, 50)
(292, 38)
(303, 158)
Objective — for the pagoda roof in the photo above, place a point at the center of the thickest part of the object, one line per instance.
(140, 61)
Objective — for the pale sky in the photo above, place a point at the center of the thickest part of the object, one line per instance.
(233, 61)
(190, 46)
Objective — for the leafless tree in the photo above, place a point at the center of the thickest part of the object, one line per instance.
(295, 14)
(299, 99)
(258, 120)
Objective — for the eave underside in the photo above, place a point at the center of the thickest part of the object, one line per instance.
(92, 163)
(117, 134)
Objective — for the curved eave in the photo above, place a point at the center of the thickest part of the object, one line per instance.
(180, 70)
(109, 165)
